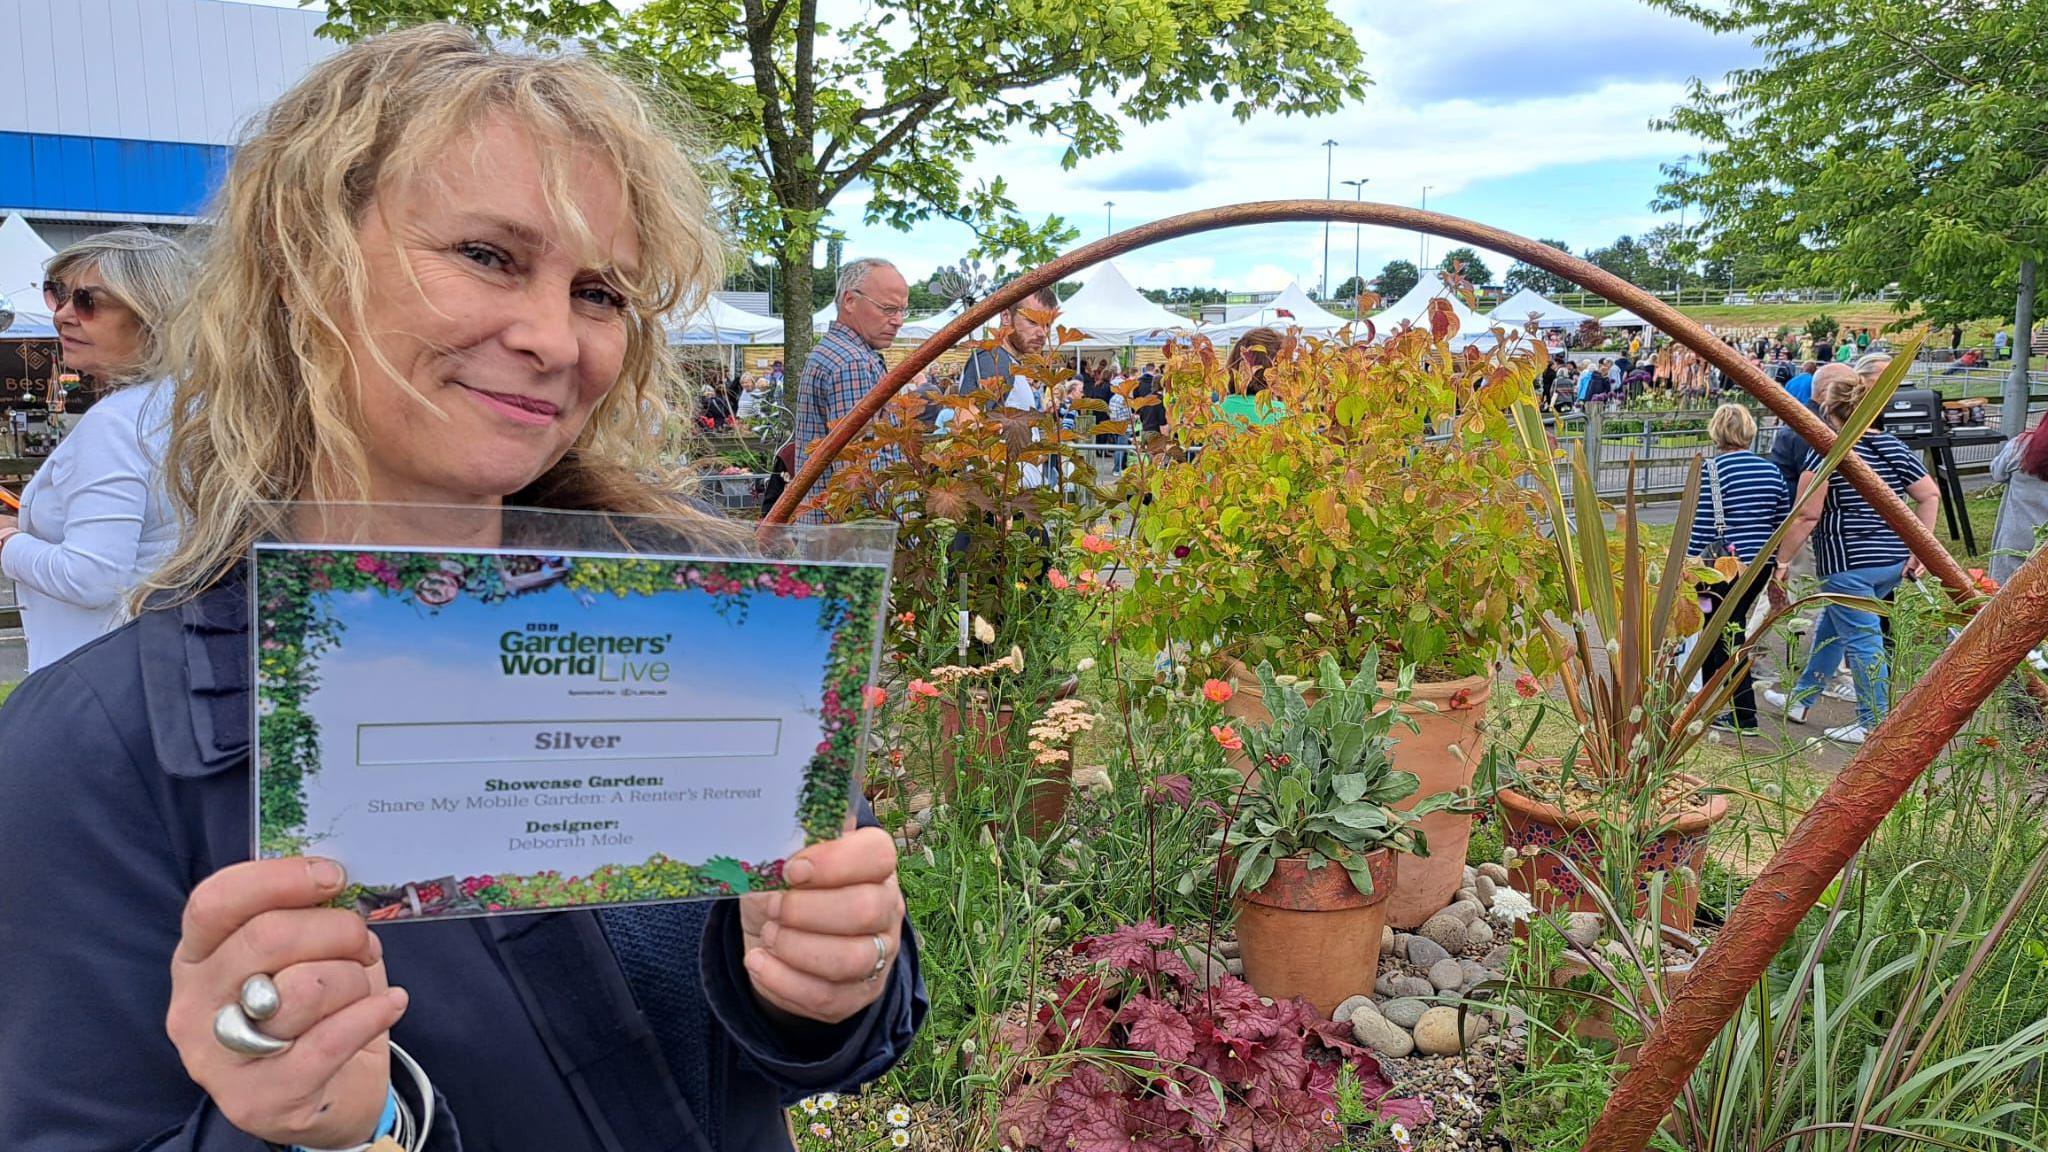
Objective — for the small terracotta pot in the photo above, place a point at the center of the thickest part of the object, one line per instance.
(1048, 794)
(1447, 715)
(1311, 933)
(1534, 825)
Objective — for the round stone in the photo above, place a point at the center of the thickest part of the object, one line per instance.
(1486, 890)
(1234, 966)
(1344, 1010)
(1446, 930)
(1387, 938)
(1381, 1035)
(1438, 1034)
(1413, 986)
(1401, 942)
(1475, 972)
(1495, 872)
(1424, 952)
(1496, 958)
(1478, 935)
(1583, 929)
(1465, 911)
(1446, 974)
(1465, 878)
(1405, 1011)
(1228, 949)
(912, 829)
(1466, 896)
(920, 801)
(1384, 986)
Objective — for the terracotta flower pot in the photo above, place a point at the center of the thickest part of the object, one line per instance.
(1534, 825)
(988, 735)
(1447, 715)
(1311, 933)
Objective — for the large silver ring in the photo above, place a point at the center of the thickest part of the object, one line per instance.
(234, 1026)
(881, 958)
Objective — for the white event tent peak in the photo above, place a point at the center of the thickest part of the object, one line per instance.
(1112, 313)
(1515, 310)
(1623, 319)
(22, 256)
(1292, 308)
(1413, 308)
(720, 323)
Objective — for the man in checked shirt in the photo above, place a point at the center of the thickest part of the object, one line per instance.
(873, 299)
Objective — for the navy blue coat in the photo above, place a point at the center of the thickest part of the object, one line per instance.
(124, 782)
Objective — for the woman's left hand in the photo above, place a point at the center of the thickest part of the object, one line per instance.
(823, 948)
(1915, 569)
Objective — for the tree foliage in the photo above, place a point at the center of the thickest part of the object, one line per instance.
(1396, 278)
(1880, 142)
(1466, 262)
(1529, 276)
(892, 102)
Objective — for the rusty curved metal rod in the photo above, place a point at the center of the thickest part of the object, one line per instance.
(1845, 816)
(1917, 536)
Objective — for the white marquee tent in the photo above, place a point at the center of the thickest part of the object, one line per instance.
(22, 255)
(718, 323)
(1413, 308)
(1113, 314)
(1290, 309)
(1514, 311)
(1623, 318)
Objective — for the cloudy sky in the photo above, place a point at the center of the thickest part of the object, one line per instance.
(1530, 117)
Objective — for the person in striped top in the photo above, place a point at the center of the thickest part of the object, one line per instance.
(1856, 554)
(1746, 498)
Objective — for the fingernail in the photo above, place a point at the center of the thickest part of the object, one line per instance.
(325, 873)
(798, 871)
(400, 998)
(376, 947)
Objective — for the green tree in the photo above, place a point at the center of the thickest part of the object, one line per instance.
(1349, 289)
(1395, 279)
(1529, 276)
(1466, 262)
(892, 101)
(1888, 142)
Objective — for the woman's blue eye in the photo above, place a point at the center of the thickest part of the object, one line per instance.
(483, 254)
(600, 295)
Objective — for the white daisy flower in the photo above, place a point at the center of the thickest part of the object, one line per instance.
(899, 1139)
(809, 1104)
(1510, 907)
(1399, 1132)
(828, 1100)
(899, 1116)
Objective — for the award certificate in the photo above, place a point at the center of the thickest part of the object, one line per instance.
(495, 731)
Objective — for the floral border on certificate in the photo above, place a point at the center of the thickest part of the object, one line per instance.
(293, 632)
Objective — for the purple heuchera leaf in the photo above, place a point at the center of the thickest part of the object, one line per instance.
(1158, 1028)
(1175, 787)
(1131, 945)
(1412, 1111)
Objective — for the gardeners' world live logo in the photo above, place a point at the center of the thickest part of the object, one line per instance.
(543, 649)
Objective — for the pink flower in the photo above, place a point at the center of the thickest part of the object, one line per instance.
(1096, 544)
(1058, 580)
(924, 690)
(1217, 691)
(1526, 686)
(1226, 737)
(874, 695)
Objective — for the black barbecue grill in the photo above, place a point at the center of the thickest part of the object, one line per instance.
(1920, 418)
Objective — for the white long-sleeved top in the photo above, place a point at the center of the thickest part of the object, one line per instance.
(94, 523)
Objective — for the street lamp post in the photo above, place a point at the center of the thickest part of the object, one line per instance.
(1422, 249)
(1109, 217)
(1329, 172)
(1357, 230)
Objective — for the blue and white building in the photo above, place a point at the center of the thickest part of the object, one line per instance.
(122, 111)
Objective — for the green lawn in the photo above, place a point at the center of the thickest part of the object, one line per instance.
(5, 690)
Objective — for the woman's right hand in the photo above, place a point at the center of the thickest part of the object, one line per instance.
(267, 916)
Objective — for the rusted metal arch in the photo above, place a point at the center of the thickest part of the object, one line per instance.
(1848, 811)
(1590, 276)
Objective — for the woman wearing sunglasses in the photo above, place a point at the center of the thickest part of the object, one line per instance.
(93, 521)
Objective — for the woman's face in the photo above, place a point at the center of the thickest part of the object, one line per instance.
(105, 345)
(486, 305)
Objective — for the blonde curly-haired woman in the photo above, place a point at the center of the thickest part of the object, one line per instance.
(437, 277)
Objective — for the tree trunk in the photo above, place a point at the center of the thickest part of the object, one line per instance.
(796, 321)
(2014, 416)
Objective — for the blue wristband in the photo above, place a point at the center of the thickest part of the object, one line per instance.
(387, 1124)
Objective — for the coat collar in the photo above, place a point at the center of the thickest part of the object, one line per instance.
(196, 679)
